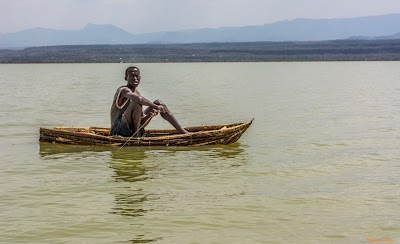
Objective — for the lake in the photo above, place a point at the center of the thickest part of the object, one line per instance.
(320, 163)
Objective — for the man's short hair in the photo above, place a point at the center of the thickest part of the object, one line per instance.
(130, 68)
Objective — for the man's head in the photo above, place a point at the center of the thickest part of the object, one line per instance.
(132, 76)
(132, 70)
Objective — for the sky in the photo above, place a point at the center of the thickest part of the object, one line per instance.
(144, 16)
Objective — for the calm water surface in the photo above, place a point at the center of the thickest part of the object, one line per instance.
(320, 164)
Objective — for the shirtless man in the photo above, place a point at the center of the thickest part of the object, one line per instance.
(127, 114)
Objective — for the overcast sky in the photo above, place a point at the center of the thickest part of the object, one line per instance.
(141, 16)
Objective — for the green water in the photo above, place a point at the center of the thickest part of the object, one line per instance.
(320, 163)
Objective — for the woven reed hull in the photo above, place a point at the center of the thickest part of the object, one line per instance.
(198, 136)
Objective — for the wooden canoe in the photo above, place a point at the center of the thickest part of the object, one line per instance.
(198, 136)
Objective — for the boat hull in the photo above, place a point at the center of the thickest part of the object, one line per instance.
(198, 136)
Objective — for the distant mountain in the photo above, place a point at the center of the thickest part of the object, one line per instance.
(293, 30)
(89, 35)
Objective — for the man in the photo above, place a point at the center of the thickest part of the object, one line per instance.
(127, 115)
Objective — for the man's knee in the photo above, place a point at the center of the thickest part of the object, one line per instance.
(136, 111)
(137, 106)
(159, 102)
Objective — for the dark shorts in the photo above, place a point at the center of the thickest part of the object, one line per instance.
(122, 128)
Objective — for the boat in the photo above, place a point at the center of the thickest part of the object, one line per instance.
(198, 136)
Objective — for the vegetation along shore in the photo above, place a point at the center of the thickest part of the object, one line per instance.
(336, 50)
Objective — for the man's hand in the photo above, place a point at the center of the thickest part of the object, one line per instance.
(154, 112)
(161, 108)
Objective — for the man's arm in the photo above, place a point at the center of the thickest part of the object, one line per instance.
(141, 100)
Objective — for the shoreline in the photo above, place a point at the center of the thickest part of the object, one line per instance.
(337, 50)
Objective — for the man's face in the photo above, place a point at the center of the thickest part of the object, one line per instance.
(133, 77)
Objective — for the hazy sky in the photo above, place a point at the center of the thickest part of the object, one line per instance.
(140, 16)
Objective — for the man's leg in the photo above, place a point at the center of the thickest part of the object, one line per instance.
(168, 116)
(133, 115)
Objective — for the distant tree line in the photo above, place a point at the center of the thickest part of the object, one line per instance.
(340, 50)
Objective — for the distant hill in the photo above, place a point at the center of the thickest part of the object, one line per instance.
(293, 30)
(91, 34)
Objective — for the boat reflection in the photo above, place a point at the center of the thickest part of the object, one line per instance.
(48, 150)
(137, 154)
(129, 167)
(133, 169)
